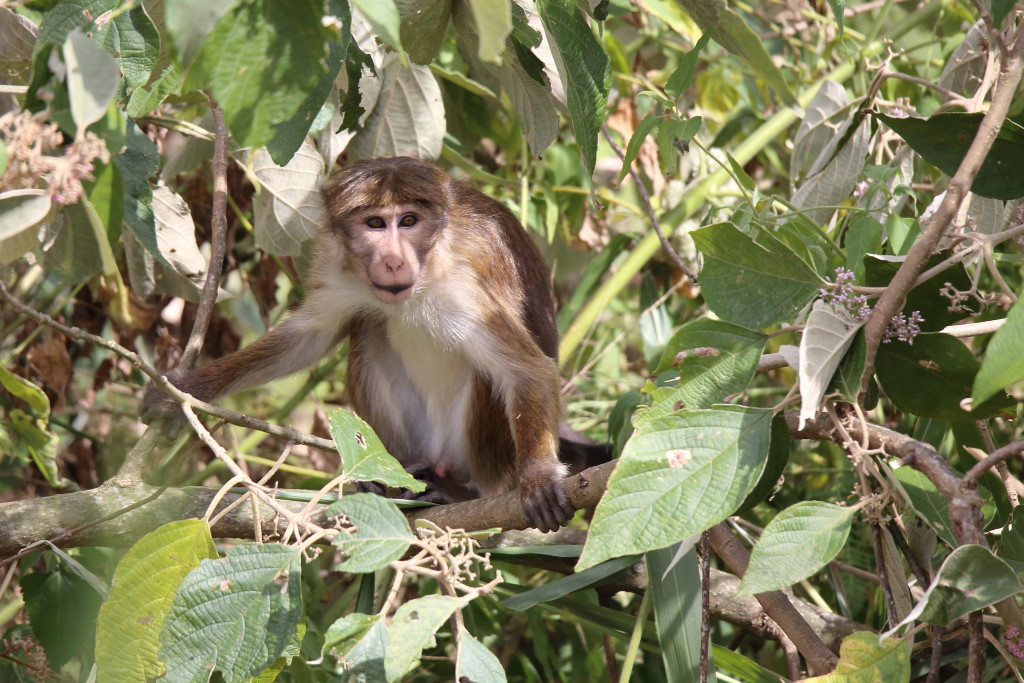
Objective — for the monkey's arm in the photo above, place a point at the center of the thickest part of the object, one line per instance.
(301, 340)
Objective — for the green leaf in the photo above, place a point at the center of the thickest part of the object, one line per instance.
(943, 140)
(1011, 540)
(672, 136)
(778, 458)
(412, 629)
(863, 659)
(144, 584)
(864, 237)
(129, 36)
(933, 377)
(1000, 8)
(28, 392)
(680, 80)
(970, 579)
(643, 129)
(365, 661)
(588, 578)
(384, 20)
(138, 161)
(423, 26)
(345, 633)
(20, 212)
(1003, 362)
(189, 22)
(62, 610)
(676, 587)
(801, 539)
(715, 359)
(585, 70)
(93, 78)
(408, 117)
(929, 504)
(233, 64)
(236, 614)
(363, 456)
(661, 491)
(838, 10)
(753, 280)
(846, 379)
(746, 669)
(380, 532)
(493, 20)
(475, 663)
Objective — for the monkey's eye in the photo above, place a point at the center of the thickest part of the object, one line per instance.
(375, 223)
(407, 221)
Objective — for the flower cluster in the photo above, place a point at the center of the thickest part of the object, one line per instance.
(1014, 642)
(29, 137)
(842, 297)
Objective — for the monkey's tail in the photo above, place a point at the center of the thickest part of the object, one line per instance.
(579, 452)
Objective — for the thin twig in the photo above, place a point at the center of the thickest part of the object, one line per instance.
(704, 551)
(218, 228)
(997, 456)
(646, 199)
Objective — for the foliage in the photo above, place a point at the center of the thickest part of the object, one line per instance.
(727, 237)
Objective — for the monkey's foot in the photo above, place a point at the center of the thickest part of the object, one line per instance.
(547, 507)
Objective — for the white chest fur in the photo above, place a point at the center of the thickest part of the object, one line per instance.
(432, 361)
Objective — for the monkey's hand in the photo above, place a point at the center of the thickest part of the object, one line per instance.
(157, 403)
(546, 507)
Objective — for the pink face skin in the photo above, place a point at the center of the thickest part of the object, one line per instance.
(392, 243)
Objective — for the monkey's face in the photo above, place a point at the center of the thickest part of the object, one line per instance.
(389, 245)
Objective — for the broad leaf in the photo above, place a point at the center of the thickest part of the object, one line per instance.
(412, 629)
(233, 64)
(385, 19)
(345, 633)
(753, 280)
(1003, 362)
(474, 662)
(288, 206)
(148, 576)
(933, 377)
(379, 532)
(799, 541)
(20, 212)
(408, 117)
(236, 614)
(943, 140)
(423, 24)
(493, 20)
(715, 359)
(93, 78)
(62, 610)
(826, 338)
(661, 491)
(585, 71)
(363, 456)
(643, 129)
(970, 579)
(863, 659)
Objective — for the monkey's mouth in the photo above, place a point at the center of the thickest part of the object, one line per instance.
(397, 291)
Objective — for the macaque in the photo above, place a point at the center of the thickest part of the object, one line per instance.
(450, 316)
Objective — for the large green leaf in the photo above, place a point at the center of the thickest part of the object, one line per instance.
(585, 70)
(1003, 362)
(827, 336)
(345, 633)
(380, 532)
(929, 504)
(363, 456)
(138, 161)
(233, 63)
(92, 78)
(236, 614)
(863, 659)
(476, 663)
(932, 378)
(715, 359)
(146, 579)
(412, 629)
(62, 609)
(801, 539)
(753, 280)
(971, 578)
(927, 298)
(676, 477)
(943, 140)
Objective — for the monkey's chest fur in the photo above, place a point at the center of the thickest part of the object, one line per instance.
(414, 384)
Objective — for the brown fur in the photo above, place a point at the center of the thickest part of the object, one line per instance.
(453, 339)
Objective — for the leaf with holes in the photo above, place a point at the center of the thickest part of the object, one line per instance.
(363, 456)
(380, 533)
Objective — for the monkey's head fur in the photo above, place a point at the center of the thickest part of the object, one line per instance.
(387, 213)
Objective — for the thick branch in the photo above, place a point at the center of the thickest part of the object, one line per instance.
(776, 604)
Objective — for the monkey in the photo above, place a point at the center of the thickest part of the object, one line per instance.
(450, 317)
